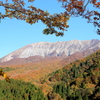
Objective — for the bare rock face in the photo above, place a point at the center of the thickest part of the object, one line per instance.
(46, 49)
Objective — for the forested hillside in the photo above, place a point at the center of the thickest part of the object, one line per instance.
(18, 90)
(77, 81)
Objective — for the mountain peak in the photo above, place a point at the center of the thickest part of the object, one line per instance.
(46, 49)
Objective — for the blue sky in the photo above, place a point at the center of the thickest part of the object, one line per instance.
(15, 34)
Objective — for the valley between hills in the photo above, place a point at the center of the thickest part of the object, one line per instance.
(35, 71)
(57, 77)
(79, 80)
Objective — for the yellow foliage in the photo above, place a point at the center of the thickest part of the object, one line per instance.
(74, 87)
(4, 75)
(27, 20)
(78, 80)
(46, 88)
(89, 85)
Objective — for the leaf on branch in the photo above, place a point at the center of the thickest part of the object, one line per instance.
(64, 0)
(98, 31)
(4, 75)
(52, 31)
(47, 31)
(22, 3)
(27, 20)
(6, 0)
(15, 0)
(31, 0)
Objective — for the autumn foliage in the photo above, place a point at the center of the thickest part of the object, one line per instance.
(4, 75)
(78, 81)
(88, 9)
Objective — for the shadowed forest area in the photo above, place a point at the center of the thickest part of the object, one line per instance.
(79, 80)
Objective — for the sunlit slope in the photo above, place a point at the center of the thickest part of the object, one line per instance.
(46, 49)
(32, 72)
(77, 81)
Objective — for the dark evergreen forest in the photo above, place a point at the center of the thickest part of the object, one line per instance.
(79, 80)
(19, 90)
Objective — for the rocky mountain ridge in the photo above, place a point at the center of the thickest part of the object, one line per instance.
(46, 49)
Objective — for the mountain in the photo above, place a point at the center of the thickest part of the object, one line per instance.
(79, 80)
(46, 49)
(77, 56)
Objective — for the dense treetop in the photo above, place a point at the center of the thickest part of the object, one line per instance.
(19, 90)
(88, 9)
(79, 80)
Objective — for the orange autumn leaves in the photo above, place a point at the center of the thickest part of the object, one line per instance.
(56, 23)
(32, 15)
(88, 9)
